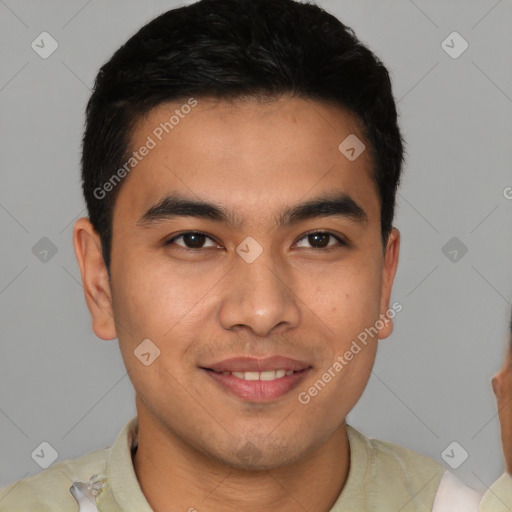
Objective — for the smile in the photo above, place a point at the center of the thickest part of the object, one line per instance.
(267, 375)
(257, 387)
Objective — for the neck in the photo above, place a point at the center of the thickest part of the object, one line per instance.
(171, 471)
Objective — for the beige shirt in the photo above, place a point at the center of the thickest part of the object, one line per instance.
(499, 496)
(383, 477)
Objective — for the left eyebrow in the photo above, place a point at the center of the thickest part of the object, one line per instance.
(176, 205)
(339, 205)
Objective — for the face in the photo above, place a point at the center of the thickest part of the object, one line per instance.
(502, 387)
(282, 269)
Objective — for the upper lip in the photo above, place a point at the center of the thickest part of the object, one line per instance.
(251, 364)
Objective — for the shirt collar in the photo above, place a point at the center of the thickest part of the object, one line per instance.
(121, 491)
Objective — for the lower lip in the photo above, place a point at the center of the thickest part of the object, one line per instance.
(258, 390)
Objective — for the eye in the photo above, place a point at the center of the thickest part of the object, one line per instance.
(320, 240)
(192, 240)
(196, 240)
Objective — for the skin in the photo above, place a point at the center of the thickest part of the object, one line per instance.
(502, 387)
(296, 299)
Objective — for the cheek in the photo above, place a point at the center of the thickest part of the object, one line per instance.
(352, 309)
(151, 299)
(338, 385)
(155, 302)
(348, 299)
(348, 302)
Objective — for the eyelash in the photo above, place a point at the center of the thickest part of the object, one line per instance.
(341, 242)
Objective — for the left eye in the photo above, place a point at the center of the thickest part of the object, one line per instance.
(320, 239)
(196, 240)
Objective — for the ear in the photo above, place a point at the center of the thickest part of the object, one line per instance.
(389, 271)
(95, 282)
(496, 386)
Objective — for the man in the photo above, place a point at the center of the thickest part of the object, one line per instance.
(499, 496)
(240, 165)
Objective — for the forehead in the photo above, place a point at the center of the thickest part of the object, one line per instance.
(251, 153)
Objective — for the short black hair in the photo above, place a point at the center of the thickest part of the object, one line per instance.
(229, 49)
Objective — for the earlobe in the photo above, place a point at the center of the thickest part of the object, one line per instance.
(95, 283)
(388, 277)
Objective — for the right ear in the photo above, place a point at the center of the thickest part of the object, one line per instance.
(95, 282)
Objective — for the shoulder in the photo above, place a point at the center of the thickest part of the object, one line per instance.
(407, 479)
(48, 491)
(384, 456)
(498, 497)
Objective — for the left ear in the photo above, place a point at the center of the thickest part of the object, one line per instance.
(389, 271)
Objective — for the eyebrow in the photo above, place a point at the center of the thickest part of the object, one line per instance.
(331, 205)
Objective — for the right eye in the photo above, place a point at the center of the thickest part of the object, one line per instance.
(191, 240)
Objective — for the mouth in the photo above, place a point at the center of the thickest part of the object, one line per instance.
(257, 380)
(268, 375)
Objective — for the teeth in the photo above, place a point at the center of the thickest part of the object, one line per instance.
(267, 375)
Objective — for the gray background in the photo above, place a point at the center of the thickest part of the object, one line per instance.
(431, 382)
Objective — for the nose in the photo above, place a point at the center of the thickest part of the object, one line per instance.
(260, 297)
